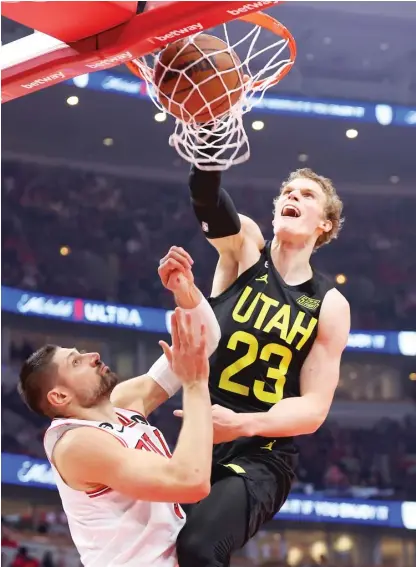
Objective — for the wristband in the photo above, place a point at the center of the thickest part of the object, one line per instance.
(201, 314)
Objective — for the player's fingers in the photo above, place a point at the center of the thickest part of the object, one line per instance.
(175, 330)
(170, 265)
(203, 335)
(190, 338)
(167, 351)
(178, 413)
(183, 260)
(183, 332)
(201, 341)
(183, 253)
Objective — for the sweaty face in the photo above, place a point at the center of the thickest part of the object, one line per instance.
(300, 211)
(82, 379)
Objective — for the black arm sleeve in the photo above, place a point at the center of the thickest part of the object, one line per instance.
(213, 206)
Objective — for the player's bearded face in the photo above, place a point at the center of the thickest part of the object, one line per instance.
(83, 380)
(100, 384)
(300, 211)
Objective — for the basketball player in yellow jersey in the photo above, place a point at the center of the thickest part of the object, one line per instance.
(283, 330)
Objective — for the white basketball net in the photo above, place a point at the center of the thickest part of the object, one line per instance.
(222, 142)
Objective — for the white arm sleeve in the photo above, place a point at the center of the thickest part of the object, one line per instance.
(202, 313)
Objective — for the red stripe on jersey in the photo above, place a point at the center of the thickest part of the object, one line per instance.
(135, 411)
(124, 420)
(142, 445)
(101, 492)
(127, 421)
(162, 441)
(152, 446)
(178, 511)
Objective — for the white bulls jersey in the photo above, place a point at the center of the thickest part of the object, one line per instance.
(108, 528)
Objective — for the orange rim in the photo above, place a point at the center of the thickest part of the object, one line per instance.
(274, 26)
(267, 22)
(133, 68)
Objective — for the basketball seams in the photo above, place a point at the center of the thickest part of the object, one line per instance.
(185, 89)
(222, 102)
(204, 85)
(182, 75)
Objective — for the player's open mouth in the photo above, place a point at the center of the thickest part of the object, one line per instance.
(290, 211)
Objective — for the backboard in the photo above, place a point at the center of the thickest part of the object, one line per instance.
(74, 38)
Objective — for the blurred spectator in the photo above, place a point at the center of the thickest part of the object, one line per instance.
(23, 559)
(47, 560)
(7, 540)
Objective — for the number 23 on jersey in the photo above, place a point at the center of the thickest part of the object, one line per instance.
(278, 374)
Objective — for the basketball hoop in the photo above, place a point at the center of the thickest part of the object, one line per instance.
(222, 142)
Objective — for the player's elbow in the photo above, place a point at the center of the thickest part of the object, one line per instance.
(193, 481)
(197, 492)
(317, 418)
(194, 487)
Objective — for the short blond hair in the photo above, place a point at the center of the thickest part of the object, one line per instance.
(333, 207)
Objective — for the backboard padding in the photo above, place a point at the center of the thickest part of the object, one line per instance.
(70, 21)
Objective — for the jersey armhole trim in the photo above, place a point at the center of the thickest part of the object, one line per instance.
(132, 410)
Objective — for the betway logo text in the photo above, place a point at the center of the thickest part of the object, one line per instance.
(110, 60)
(249, 8)
(43, 80)
(178, 33)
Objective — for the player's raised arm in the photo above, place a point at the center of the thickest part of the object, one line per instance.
(217, 215)
(141, 474)
(146, 393)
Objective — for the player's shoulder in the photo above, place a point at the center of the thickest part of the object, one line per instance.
(83, 441)
(335, 318)
(334, 299)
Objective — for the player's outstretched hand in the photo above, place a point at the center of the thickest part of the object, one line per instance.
(225, 421)
(175, 269)
(187, 356)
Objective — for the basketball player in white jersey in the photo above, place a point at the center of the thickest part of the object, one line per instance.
(118, 482)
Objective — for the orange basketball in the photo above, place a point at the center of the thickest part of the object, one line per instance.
(187, 81)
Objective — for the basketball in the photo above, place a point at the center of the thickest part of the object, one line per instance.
(188, 82)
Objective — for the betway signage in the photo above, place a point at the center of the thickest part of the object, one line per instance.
(148, 319)
(249, 7)
(25, 471)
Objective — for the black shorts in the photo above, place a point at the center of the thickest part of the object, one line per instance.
(248, 488)
(268, 476)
